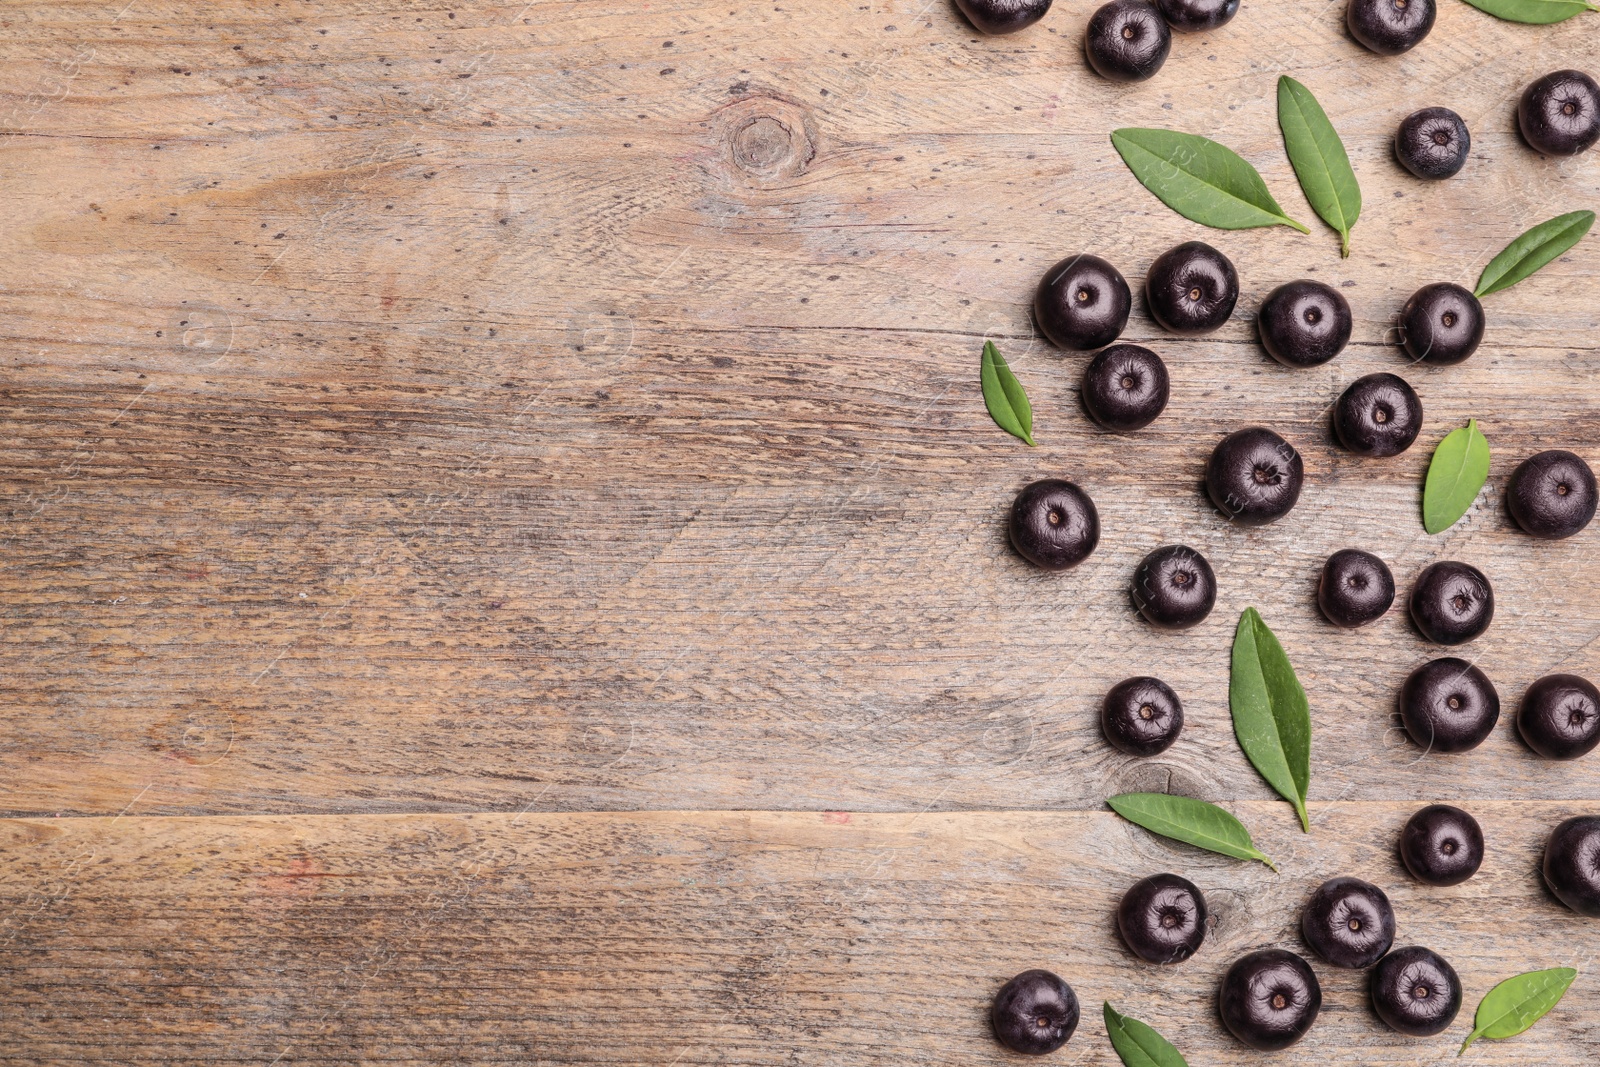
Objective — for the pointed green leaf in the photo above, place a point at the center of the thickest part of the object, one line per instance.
(1537, 12)
(1271, 716)
(1456, 474)
(1319, 159)
(1004, 396)
(1200, 179)
(1138, 1044)
(1517, 1003)
(1533, 250)
(1193, 822)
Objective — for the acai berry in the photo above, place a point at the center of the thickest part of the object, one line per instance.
(1269, 999)
(1356, 588)
(1054, 524)
(1192, 16)
(1082, 303)
(1125, 387)
(1003, 16)
(1560, 113)
(1348, 922)
(1416, 991)
(1254, 476)
(1442, 323)
(1378, 415)
(1162, 918)
(1442, 845)
(1572, 864)
(1560, 716)
(1452, 602)
(1174, 587)
(1304, 323)
(1433, 143)
(1141, 716)
(1552, 495)
(1034, 1013)
(1192, 289)
(1449, 705)
(1127, 41)
(1389, 27)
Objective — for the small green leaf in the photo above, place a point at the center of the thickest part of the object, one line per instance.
(1004, 396)
(1271, 716)
(1533, 250)
(1138, 1044)
(1193, 822)
(1517, 1003)
(1537, 12)
(1319, 159)
(1456, 474)
(1200, 179)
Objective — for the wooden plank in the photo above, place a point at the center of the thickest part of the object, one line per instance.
(575, 405)
(705, 938)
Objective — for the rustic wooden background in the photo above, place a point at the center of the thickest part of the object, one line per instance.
(503, 550)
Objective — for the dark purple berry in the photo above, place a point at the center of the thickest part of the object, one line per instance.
(1378, 415)
(1192, 16)
(1141, 716)
(1433, 143)
(1128, 41)
(1452, 602)
(1560, 113)
(1054, 524)
(1551, 495)
(1389, 27)
(1449, 705)
(1416, 991)
(1125, 387)
(1269, 999)
(1560, 716)
(1441, 323)
(1034, 1013)
(1162, 918)
(1003, 16)
(1304, 323)
(1572, 864)
(1356, 588)
(1348, 922)
(1442, 845)
(1082, 303)
(1192, 289)
(1254, 476)
(1174, 587)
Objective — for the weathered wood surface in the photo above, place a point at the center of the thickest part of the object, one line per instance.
(422, 409)
(707, 938)
(414, 411)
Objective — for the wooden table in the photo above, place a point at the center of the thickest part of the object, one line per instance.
(504, 554)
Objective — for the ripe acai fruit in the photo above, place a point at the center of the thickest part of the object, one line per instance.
(1082, 303)
(1269, 999)
(1034, 1013)
(1003, 16)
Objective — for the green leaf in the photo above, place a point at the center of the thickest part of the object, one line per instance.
(1138, 1044)
(1191, 821)
(1537, 12)
(1457, 472)
(1319, 159)
(1533, 250)
(1004, 396)
(1517, 1003)
(1200, 179)
(1271, 717)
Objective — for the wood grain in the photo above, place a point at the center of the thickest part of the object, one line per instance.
(709, 938)
(460, 460)
(421, 409)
